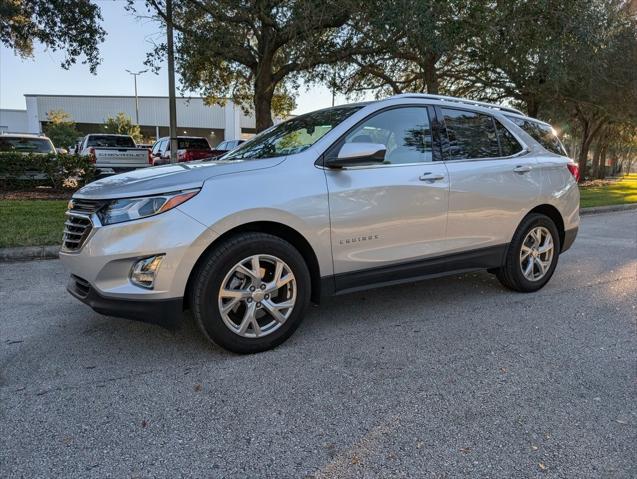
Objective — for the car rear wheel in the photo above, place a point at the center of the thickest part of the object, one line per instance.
(531, 256)
(251, 292)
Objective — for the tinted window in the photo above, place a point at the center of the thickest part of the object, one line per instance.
(25, 145)
(110, 141)
(222, 145)
(292, 136)
(405, 132)
(469, 135)
(193, 144)
(543, 134)
(508, 144)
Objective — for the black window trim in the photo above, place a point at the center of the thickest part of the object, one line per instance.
(443, 130)
(436, 150)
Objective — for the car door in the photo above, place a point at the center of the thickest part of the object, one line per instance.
(392, 213)
(493, 181)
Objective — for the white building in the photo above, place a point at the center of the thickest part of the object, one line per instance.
(90, 112)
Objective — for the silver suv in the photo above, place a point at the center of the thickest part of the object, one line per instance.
(338, 200)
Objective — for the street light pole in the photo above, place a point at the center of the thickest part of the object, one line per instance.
(136, 99)
(172, 103)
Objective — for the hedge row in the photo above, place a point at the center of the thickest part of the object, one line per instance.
(19, 170)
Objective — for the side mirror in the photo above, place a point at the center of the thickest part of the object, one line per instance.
(358, 154)
(61, 151)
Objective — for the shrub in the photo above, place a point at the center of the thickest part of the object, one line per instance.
(19, 170)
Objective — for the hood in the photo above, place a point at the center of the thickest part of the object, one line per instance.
(167, 178)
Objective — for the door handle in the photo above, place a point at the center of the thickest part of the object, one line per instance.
(522, 169)
(431, 177)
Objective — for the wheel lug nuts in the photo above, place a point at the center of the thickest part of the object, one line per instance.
(249, 300)
(252, 288)
(263, 286)
(267, 296)
(258, 305)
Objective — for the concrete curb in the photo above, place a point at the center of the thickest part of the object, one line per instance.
(26, 253)
(607, 209)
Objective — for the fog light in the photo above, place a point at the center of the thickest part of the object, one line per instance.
(143, 272)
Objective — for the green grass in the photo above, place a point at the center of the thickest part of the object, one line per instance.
(619, 193)
(31, 222)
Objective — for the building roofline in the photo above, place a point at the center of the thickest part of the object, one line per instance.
(111, 96)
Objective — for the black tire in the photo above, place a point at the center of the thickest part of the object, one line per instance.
(510, 274)
(211, 273)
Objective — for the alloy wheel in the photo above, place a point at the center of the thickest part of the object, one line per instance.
(257, 296)
(536, 253)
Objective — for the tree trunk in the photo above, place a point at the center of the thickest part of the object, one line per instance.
(532, 106)
(431, 74)
(595, 164)
(263, 93)
(590, 129)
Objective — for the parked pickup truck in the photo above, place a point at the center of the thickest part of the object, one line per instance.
(114, 153)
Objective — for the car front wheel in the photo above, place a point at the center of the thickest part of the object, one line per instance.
(250, 293)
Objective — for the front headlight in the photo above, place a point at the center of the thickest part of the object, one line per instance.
(118, 211)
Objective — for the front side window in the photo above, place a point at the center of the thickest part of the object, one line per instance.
(470, 135)
(292, 136)
(156, 147)
(25, 145)
(542, 133)
(405, 133)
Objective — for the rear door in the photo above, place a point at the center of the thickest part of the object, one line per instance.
(493, 181)
(393, 213)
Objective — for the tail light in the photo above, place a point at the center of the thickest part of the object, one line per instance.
(187, 156)
(574, 169)
(150, 157)
(91, 155)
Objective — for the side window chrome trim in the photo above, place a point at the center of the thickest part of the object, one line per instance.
(524, 152)
(373, 167)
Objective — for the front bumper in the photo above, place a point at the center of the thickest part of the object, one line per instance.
(164, 312)
(569, 238)
(105, 260)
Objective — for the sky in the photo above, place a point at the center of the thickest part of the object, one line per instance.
(128, 40)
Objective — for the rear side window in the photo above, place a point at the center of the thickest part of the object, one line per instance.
(193, 144)
(469, 135)
(110, 141)
(25, 145)
(543, 134)
(509, 146)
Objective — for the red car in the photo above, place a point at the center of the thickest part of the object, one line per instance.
(189, 148)
(225, 146)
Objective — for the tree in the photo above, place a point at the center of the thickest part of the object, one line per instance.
(122, 124)
(414, 44)
(69, 25)
(255, 51)
(61, 129)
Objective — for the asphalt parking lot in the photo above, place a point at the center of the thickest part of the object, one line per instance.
(454, 377)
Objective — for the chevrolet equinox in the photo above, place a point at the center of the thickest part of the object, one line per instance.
(338, 200)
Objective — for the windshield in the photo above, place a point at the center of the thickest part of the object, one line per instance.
(25, 145)
(110, 141)
(193, 144)
(292, 136)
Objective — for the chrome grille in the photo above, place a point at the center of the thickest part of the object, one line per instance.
(78, 224)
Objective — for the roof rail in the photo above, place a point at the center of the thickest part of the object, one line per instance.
(454, 99)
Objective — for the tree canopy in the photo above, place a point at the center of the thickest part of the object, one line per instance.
(122, 124)
(69, 25)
